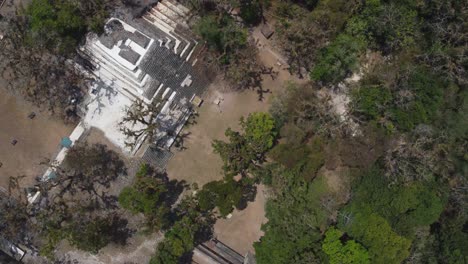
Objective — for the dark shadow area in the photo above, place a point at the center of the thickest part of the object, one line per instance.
(248, 195)
(175, 188)
(258, 79)
(180, 139)
(5, 259)
(193, 118)
(119, 230)
(110, 201)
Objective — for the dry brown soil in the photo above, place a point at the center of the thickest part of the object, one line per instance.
(198, 163)
(38, 138)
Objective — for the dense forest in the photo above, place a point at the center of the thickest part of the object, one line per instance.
(386, 182)
(403, 169)
(399, 156)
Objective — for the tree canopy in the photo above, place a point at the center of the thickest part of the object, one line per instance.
(150, 195)
(60, 25)
(246, 149)
(339, 252)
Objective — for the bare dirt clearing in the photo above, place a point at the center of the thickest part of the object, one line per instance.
(198, 163)
(38, 138)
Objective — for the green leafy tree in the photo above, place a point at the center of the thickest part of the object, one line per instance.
(56, 24)
(247, 149)
(388, 26)
(251, 11)
(147, 195)
(300, 106)
(343, 253)
(404, 207)
(260, 131)
(60, 24)
(407, 96)
(304, 157)
(98, 231)
(374, 232)
(427, 91)
(372, 101)
(230, 48)
(42, 15)
(88, 167)
(303, 33)
(222, 194)
(222, 34)
(78, 207)
(294, 211)
(191, 228)
(237, 156)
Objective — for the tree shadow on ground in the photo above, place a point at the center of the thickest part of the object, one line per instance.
(180, 140)
(192, 120)
(258, 81)
(120, 232)
(175, 188)
(248, 195)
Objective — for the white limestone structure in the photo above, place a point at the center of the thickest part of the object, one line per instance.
(152, 59)
(147, 59)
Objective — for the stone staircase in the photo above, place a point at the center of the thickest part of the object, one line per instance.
(169, 17)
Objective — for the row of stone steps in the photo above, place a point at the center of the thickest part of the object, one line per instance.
(110, 70)
(169, 17)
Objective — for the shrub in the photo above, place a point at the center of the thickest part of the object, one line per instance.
(371, 101)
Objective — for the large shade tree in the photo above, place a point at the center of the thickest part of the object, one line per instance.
(246, 150)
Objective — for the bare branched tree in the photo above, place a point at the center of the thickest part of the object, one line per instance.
(88, 170)
(419, 158)
(301, 105)
(47, 80)
(140, 121)
(246, 72)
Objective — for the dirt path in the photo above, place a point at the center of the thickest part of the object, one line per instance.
(38, 138)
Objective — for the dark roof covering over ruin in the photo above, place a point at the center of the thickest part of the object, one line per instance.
(140, 39)
(168, 68)
(129, 55)
(115, 32)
